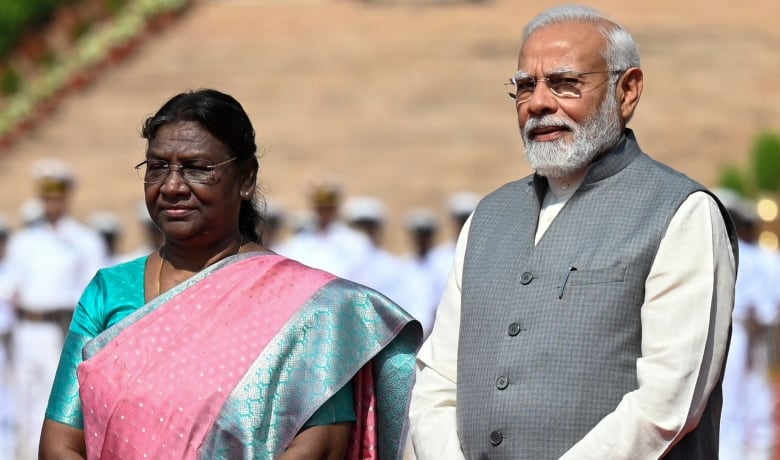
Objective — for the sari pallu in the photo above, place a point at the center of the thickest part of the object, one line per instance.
(233, 362)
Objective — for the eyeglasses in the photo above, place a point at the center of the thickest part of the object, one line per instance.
(568, 85)
(153, 171)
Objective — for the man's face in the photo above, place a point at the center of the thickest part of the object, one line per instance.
(55, 206)
(326, 214)
(562, 135)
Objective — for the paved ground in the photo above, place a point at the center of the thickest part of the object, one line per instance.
(404, 99)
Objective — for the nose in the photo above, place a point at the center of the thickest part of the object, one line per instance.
(542, 101)
(173, 182)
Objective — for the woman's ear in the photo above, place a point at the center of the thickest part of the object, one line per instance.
(249, 183)
(629, 90)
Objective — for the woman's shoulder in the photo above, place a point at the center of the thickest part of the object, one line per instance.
(124, 270)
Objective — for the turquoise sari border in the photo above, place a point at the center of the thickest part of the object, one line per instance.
(308, 361)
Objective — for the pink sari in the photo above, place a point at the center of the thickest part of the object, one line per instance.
(166, 381)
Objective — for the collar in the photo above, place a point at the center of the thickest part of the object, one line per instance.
(602, 167)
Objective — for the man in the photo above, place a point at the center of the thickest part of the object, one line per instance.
(331, 245)
(151, 236)
(421, 264)
(49, 263)
(7, 318)
(587, 314)
(748, 430)
(381, 269)
(108, 227)
(273, 223)
(460, 205)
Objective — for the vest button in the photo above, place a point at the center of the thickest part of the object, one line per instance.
(496, 437)
(502, 382)
(513, 329)
(526, 278)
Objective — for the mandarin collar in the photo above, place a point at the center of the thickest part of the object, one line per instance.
(602, 167)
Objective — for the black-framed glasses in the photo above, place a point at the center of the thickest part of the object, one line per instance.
(198, 171)
(568, 85)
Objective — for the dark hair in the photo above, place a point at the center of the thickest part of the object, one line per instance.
(226, 120)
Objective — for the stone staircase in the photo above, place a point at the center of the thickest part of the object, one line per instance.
(402, 100)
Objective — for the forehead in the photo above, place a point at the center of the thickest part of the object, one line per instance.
(575, 45)
(185, 138)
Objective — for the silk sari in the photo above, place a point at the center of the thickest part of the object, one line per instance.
(234, 361)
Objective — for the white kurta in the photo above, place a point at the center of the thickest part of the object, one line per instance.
(682, 348)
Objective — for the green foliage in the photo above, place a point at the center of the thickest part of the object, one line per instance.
(10, 81)
(766, 161)
(763, 173)
(17, 16)
(733, 178)
(115, 6)
(81, 29)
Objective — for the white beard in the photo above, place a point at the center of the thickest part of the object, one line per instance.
(558, 158)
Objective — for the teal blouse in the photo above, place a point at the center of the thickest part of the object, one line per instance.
(113, 294)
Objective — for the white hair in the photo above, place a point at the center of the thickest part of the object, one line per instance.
(621, 51)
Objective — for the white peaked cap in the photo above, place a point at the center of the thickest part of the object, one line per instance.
(421, 219)
(52, 168)
(363, 208)
(105, 222)
(462, 203)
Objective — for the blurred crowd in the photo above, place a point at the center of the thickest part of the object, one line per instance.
(748, 429)
(47, 260)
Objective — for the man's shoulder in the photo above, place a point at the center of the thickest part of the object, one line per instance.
(665, 172)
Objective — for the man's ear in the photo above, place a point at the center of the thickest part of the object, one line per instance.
(629, 89)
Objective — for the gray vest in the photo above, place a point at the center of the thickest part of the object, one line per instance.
(550, 334)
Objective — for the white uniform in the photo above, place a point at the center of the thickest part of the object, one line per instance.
(338, 249)
(49, 267)
(7, 320)
(747, 425)
(401, 281)
(430, 273)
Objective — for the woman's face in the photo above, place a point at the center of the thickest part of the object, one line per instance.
(195, 213)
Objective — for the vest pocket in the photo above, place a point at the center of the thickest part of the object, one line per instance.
(584, 276)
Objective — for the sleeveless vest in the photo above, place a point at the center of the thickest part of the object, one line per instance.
(550, 333)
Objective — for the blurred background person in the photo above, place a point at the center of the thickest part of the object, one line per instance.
(108, 227)
(31, 211)
(423, 228)
(7, 320)
(381, 269)
(459, 206)
(151, 236)
(747, 429)
(329, 244)
(48, 262)
(272, 224)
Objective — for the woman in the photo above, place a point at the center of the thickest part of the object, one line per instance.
(215, 347)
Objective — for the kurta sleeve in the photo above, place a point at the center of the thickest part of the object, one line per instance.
(686, 315)
(432, 412)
